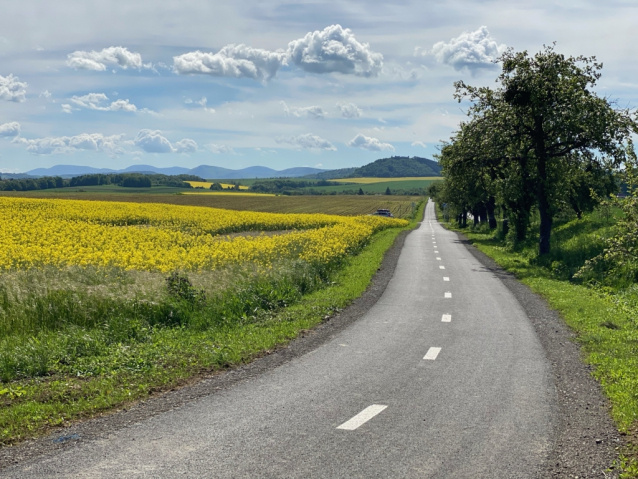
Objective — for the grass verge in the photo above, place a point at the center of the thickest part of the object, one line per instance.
(103, 371)
(605, 320)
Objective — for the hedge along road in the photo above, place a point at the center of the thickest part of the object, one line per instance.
(443, 377)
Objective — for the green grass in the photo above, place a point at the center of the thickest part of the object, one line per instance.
(605, 319)
(84, 348)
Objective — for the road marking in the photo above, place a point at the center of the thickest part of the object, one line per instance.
(435, 251)
(446, 318)
(448, 294)
(432, 353)
(438, 258)
(363, 417)
(446, 278)
(441, 267)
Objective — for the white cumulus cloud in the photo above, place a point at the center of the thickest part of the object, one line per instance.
(66, 144)
(307, 142)
(314, 112)
(186, 146)
(470, 50)
(46, 94)
(334, 49)
(98, 61)
(152, 141)
(12, 89)
(10, 129)
(95, 101)
(419, 143)
(219, 149)
(235, 61)
(368, 143)
(349, 110)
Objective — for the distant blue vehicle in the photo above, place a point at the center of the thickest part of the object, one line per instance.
(383, 212)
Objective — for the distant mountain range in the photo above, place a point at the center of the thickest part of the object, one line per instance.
(204, 171)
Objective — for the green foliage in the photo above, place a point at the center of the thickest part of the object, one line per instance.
(543, 140)
(619, 260)
(393, 167)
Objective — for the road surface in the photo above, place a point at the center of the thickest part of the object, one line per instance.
(443, 377)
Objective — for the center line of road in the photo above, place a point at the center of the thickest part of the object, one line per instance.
(435, 251)
(432, 353)
(441, 267)
(446, 278)
(446, 318)
(448, 294)
(438, 258)
(363, 417)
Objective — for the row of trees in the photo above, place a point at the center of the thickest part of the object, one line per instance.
(131, 180)
(541, 141)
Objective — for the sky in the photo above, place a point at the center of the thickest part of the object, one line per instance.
(328, 84)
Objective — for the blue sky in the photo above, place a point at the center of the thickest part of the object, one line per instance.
(272, 83)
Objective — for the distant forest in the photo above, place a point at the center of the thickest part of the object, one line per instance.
(393, 167)
(127, 180)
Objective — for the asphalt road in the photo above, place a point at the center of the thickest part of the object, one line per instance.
(443, 377)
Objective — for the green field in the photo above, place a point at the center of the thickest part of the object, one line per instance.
(378, 187)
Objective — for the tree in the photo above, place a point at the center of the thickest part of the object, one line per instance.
(543, 121)
(387, 191)
(360, 191)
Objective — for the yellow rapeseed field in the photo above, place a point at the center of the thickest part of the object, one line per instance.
(160, 237)
(206, 184)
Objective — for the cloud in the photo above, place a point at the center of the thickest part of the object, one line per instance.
(203, 103)
(334, 49)
(66, 108)
(349, 110)
(220, 149)
(45, 94)
(66, 144)
(12, 89)
(98, 61)
(307, 142)
(10, 129)
(470, 50)
(314, 112)
(419, 143)
(152, 141)
(94, 101)
(367, 143)
(186, 146)
(234, 61)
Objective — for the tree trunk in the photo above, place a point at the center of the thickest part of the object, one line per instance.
(489, 207)
(546, 226)
(544, 207)
(475, 216)
(465, 219)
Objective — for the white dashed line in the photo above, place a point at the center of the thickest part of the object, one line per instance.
(446, 318)
(432, 354)
(448, 294)
(441, 267)
(436, 251)
(446, 278)
(363, 417)
(438, 258)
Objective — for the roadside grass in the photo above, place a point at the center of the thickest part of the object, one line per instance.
(605, 319)
(91, 351)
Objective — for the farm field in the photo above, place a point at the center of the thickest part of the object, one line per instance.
(378, 187)
(206, 184)
(335, 205)
(367, 181)
(106, 302)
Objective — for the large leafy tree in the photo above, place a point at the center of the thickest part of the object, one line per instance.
(541, 124)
